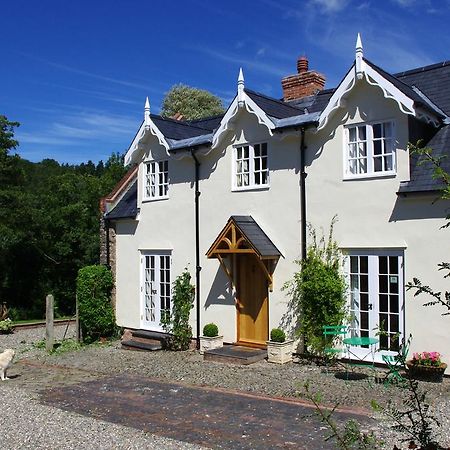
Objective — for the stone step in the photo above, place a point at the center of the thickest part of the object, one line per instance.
(140, 345)
(144, 334)
(235, 354)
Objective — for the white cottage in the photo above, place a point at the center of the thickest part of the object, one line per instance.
(229, 197)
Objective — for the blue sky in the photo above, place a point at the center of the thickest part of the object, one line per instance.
(75, 74)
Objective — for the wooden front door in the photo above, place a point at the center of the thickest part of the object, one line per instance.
(251, 302)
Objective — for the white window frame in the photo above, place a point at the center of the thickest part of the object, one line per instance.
(374, 292)
(252, 170)
(370, 153)
(153, 289)
(147, 184)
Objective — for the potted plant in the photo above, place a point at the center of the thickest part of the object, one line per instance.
(210, 339)
(279, 350)
(426, 366)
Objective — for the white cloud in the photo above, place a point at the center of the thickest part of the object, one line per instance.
(81, 129)
(242, 61)
(329, 6)
(261, 52)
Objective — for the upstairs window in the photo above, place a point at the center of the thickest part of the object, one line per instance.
(251, 168)
(370, 149)
(156, 180)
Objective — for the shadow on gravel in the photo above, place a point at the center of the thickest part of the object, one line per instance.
(205, 416)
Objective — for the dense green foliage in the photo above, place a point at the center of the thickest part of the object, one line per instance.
(277, 335)
(210, 330)
(94, 284)
(318, 291)
(176, 322)
(49, 226)
(191, 103)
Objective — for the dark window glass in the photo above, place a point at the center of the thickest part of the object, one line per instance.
(353, 264)
(364, 264)
(364, 298)
(394, 323)
(383, 283)
(393, 303)
(393, 264)
(364, 283)
(383, 303)
(382, 264)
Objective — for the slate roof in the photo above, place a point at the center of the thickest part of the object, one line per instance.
(127, 206)
(177, 129)
(421, 178)
(313, 103)
(272, 107)
(433, 80)
(256, 236)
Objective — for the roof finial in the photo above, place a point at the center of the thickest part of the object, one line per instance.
(241, 97)
(147, 112)
(359, 58)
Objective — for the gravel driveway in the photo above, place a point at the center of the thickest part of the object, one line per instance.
(188, 367)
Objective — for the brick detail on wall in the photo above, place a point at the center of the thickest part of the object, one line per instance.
(112, 253)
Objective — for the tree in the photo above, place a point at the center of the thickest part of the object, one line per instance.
(191, 103)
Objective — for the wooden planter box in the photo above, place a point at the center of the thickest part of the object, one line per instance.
(210, 343)
(426, 373)
(279, 352)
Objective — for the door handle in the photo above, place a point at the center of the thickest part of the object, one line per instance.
(370, 306)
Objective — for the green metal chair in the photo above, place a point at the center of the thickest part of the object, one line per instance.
(334, 334)
(395, 363)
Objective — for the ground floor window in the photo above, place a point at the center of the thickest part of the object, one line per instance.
(155, 288)
(376, 296)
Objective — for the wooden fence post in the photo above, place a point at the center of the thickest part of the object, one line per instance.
(49, 330)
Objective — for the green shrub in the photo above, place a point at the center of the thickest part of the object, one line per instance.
(94, 285)
(6, 326)
(176, 321)
(277, 335)
(210, 330)
(318, 291)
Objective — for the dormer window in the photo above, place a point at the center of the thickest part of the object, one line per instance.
(251, 169)
(370, 150)
(156, 180)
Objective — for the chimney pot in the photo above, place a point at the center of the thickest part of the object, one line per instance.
(302, 64)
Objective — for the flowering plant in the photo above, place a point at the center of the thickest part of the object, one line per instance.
(427, 359)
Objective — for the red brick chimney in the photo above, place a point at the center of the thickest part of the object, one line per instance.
(305, 82)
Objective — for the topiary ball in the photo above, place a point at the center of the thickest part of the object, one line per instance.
(210, 330)
(277, 335)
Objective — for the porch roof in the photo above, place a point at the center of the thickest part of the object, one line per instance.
(257, 241)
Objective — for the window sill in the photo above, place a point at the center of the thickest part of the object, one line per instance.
(370, 176)
(251, 188)
(156, 199)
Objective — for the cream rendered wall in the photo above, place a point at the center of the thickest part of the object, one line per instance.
(276, 210)
(166, 224)
(170, 225)
(371, 215)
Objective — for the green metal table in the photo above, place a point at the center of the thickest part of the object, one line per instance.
(358, 341)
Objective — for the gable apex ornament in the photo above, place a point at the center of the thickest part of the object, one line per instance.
(147, 113)
(240, 89)
(359, 58)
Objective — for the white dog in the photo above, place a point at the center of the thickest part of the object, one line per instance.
(6, 359)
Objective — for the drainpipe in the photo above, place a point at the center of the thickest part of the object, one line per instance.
(303, 176)
(197, 243)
